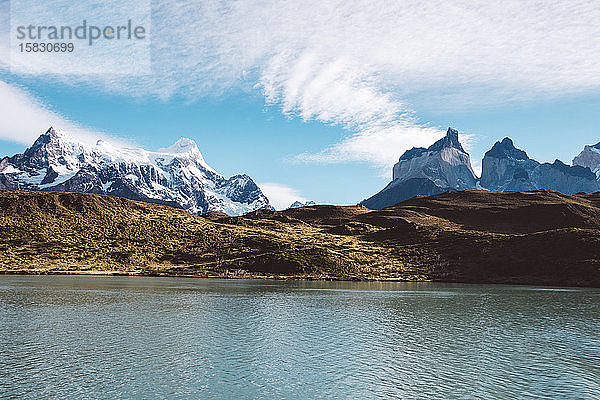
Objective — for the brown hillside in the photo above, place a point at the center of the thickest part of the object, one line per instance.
(539, 237)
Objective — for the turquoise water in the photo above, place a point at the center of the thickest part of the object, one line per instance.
(74, 337)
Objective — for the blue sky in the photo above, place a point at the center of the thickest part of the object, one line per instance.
(319, 99)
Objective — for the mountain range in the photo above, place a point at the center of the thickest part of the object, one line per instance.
(176, 176)
(446, 166)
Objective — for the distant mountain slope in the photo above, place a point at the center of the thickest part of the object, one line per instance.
(539, 237)
(505, 167)
(445, 163)
(298, 204)
(445, 166)
(590, 158)
(398, 190)
(177, 176)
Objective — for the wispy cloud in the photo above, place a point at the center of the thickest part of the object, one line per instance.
(24, 118)
(281, 196)
(357, 63)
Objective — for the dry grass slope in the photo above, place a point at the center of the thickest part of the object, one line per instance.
(70, 232)
(537, 237)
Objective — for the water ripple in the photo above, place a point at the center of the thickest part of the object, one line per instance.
(100, 337)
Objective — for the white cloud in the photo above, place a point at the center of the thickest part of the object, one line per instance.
(28, 117)
(382, 146)
(476, 164)
(24, 118)
(356, 63)
(281, 196)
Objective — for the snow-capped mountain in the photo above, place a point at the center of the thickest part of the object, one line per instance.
(446, 166)
(589, 157)
(443, 166)
(504, 168)
(298, 204)
(176, 176)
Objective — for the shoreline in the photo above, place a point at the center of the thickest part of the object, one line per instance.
(515, 238)
(207, 276)
(114, 273)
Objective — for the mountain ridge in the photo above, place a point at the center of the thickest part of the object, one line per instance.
(176, 175)
(590, 158)
(446, 166)
(443, 166)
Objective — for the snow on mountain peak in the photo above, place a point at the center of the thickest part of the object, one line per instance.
(59, 135)
(176, 175)
(114, 151)
(185, 149)
(181, 146)
(298, 204)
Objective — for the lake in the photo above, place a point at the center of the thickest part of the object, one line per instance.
(90, 337)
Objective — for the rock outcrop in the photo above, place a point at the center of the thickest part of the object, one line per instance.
(506, 168)
(445, 166)
(590, 158)
(441, 167)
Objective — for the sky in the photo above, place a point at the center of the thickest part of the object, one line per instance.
(315, 100)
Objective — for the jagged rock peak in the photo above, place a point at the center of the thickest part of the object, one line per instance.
(589, 157)
(446, 166)
(50, 132)
(506, 149)
(575, 170)
(55, 135)
(412, 153)
(47, 136)
(450, 140)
